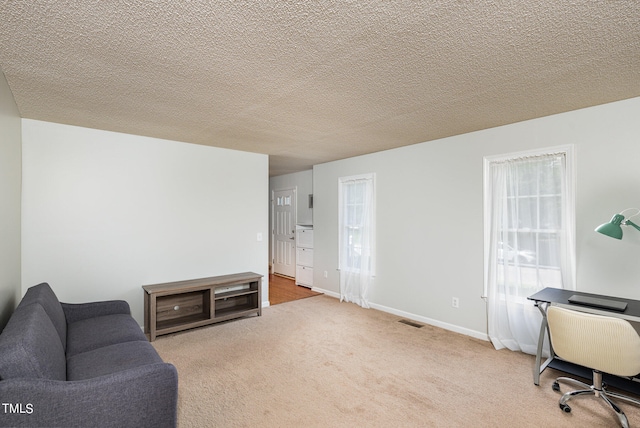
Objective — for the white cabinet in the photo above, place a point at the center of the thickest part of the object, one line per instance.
(304, 256)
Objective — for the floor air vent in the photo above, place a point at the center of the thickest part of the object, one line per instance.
(411, 323)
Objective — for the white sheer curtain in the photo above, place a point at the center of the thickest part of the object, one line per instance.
(530, 242)
(356, 251)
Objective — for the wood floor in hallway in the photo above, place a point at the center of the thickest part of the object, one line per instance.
(283, 289)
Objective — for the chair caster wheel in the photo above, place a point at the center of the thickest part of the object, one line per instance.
(556, 386)
(565, 408)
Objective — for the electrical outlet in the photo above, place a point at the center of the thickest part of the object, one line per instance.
(326, 274)
(455, 302)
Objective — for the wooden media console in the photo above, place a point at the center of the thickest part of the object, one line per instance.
(181, 305)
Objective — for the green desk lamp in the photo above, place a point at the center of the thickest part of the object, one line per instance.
(614, 227)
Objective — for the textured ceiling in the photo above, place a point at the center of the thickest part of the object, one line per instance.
(313, 81)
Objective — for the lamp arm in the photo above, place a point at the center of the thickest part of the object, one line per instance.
(630, 223)
(637, 212)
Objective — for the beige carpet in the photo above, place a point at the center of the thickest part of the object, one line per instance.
(320, 363)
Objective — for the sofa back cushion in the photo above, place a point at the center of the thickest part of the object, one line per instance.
(30, 347)
(44, 295)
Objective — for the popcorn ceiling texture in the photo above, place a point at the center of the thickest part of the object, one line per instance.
(313, 81)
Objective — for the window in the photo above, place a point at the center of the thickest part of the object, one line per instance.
(529, 239)
(353, 223)
(356, 251)
(282, 201)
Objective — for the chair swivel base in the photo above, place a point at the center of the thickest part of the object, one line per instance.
(598, 389)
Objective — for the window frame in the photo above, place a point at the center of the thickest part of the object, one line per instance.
(342, 182)
(569, 153)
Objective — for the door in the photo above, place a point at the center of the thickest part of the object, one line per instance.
(284, 239)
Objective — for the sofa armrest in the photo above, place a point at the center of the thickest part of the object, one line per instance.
(79, 311)
(144, 396)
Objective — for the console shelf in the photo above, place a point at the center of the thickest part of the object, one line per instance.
(181, 305)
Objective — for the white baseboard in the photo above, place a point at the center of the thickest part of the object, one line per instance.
(414, 317)
(327, 292)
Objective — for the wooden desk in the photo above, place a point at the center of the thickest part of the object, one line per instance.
(560, 297)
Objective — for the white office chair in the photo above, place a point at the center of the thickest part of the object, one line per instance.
(604, 344)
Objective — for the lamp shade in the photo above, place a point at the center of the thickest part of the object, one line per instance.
(612, 228)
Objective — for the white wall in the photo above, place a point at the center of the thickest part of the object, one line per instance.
(105, 213)
(10, 187)
(430, 209)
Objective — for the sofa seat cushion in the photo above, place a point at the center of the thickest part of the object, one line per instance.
(30, 347)
(111, 359)
(92, 333)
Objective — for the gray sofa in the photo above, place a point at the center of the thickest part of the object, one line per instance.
(84, 365)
